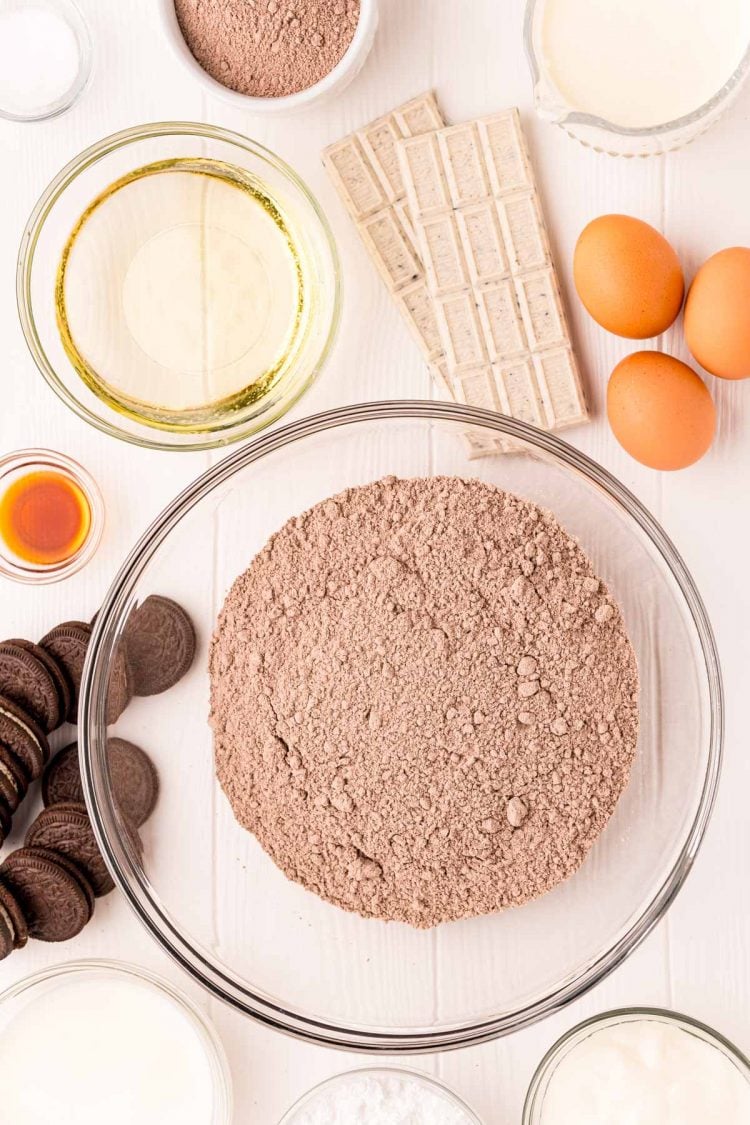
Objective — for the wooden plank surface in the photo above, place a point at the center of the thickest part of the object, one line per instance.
(472, 54)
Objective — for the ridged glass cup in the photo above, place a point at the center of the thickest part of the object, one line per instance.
(215, 901)
(71, 193)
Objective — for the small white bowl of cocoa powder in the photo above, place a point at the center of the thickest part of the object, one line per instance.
(271, 56)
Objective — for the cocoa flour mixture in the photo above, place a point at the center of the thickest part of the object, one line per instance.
(268, 48)
(424, 701)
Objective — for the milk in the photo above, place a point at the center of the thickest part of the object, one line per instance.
(639, 63)
(89, 1051)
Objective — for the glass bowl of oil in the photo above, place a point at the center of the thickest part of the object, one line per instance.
(178, 286)
(51, 516)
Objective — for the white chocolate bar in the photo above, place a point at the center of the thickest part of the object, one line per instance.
(366, 171)
(480, 233)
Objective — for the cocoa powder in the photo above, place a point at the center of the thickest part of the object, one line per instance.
(424, 701)
(268, 48)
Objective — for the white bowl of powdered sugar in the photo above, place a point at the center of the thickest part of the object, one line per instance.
(382, 1096)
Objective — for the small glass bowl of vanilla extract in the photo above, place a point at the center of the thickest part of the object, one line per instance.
(51, 516)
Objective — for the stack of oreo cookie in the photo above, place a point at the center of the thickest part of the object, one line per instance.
(37, 694)
(48, 887)
(39, 685)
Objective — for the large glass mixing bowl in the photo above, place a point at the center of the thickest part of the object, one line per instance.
(214, 900)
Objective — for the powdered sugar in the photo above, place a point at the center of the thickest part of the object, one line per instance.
(380, 1099)
(39, 57)
(419, 707)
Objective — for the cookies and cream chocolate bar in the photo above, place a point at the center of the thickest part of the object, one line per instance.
(477, 218)
(365, 169)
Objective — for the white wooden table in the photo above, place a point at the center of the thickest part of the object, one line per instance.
(471, 51)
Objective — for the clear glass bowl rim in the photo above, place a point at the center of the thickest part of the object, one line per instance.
(99, 798)
(576, 117)
(687, 1023)
(279, 405)
(427, 1079)
(212, 1044)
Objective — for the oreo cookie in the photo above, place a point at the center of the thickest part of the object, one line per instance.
(14, 784)
(23, 737)
(134, 779)
(6, 821)
(64, 690)
(29, 683)
(55, 896)
(62, 778)
(161, 644)
(9, 797)
(66, 829)
(67, 644)
(7, 934)
(120, 688)
(12, 917)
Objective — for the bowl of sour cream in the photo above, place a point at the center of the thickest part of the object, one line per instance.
(646, 1065)
(634, 77)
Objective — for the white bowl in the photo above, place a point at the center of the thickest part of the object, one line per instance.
(334, 82)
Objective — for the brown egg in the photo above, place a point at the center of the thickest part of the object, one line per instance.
(628, 276)
(660, 410)
(717, 314)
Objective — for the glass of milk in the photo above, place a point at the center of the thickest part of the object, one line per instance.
(646, 1065)
(635, 77)
(89, 1042)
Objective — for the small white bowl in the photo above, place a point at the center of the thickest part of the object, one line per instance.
(334, 82)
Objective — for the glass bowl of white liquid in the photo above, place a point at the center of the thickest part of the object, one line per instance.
(617, 77)
(116, 1043)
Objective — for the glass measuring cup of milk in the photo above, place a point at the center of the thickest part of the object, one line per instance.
(636, 77)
